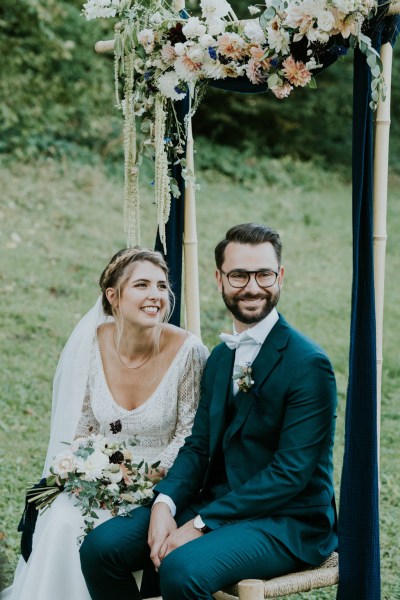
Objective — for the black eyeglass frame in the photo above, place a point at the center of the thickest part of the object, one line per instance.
(249, 274)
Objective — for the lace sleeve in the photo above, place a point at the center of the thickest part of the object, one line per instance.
(188, 393)
(88, 423)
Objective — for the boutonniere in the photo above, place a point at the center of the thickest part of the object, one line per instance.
(242, 376)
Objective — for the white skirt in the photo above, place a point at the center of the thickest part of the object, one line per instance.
(53, 570)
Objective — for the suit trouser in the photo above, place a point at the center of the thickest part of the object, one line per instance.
(112, 551)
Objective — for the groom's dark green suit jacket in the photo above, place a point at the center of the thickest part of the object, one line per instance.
(276, 441)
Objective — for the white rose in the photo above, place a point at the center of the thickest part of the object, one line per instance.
(179, 49)
(196, 54)
(206, 40)
(216, 26)
(193, 27)
(326, 20)
(254, 32)
(64, 463)
(93, 466)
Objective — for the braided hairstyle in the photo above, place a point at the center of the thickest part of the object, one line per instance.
(117, 273)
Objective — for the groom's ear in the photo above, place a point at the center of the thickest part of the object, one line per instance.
(280, 276)
(218, 277)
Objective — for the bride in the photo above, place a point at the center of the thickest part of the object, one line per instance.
(124, 372)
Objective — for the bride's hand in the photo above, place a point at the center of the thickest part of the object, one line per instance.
(162, 524)
(155, 475)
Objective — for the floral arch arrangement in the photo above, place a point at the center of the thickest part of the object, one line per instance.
(164, 56)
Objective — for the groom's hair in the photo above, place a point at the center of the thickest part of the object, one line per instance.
(248, 233)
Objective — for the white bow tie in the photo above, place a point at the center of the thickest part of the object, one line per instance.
(233, 341)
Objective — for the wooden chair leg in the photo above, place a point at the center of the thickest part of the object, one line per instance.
(251, 589)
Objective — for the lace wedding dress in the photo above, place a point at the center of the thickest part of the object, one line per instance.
(159, 427)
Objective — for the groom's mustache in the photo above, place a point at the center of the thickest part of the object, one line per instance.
(248, 296)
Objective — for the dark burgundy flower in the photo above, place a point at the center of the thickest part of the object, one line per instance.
(117, 458)
(116, 427)
(175, 34)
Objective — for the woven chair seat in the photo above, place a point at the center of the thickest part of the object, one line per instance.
(302, 581)
(311, 578)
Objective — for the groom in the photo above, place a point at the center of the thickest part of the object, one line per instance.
(250, 494)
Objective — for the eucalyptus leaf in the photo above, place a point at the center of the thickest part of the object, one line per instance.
(376, 71)
(375, 95)
(273, 80)
(266, 17)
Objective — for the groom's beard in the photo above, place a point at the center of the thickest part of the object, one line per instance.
(249, 317)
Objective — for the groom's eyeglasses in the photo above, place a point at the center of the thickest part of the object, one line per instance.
(239, 279)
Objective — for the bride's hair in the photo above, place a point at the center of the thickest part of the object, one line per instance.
(118, 271)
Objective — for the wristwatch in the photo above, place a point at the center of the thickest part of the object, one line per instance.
(199, 524)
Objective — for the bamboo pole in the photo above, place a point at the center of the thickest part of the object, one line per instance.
(381, 158)
(251, 589)
(190, 244)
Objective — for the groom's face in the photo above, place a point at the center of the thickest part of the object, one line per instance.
(251, 304)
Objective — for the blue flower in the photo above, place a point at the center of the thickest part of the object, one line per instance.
(338, 50)
(148, 74)
(212, 53)
(167, 140)
(274, 62)
(178, 90)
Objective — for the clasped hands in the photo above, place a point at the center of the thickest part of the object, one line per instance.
(164, 534)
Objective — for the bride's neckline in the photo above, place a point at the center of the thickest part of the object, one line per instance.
(147, 401)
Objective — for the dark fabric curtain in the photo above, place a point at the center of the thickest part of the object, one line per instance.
(359, 556)
(174, 230)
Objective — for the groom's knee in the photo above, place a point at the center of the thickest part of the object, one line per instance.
(179, 578)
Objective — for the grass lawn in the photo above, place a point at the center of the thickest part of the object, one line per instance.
(61, 222)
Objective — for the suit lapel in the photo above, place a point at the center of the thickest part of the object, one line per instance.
(264, 363)
(221, 390)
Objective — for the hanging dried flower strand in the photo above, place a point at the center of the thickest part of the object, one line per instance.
(131, 189)
(161, 183)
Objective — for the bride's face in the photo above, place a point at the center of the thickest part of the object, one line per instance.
(144, 297)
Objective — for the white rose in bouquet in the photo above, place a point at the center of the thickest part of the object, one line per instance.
(64, 463)
(92, 467)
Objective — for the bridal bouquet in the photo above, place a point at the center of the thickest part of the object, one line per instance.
(100, 474)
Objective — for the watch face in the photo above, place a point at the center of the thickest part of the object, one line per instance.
(196, 523)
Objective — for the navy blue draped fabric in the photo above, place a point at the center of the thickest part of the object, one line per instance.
(174, 230)
(359, 556)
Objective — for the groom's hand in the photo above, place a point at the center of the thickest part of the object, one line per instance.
(179, 537)
(162, 524)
